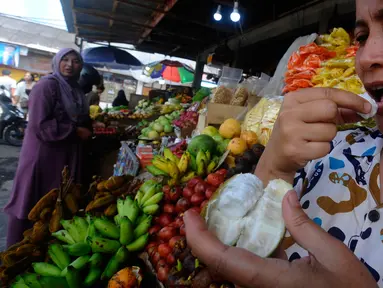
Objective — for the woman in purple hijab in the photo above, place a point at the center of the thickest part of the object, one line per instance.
(58, 125)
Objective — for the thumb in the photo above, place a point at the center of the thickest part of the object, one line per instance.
(325, 248)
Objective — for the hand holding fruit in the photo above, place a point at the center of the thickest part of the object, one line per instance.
(330, 264)
(304, 129)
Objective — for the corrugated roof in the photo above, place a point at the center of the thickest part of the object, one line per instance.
(34, 35)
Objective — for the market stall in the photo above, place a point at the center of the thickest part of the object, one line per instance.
(127, 228)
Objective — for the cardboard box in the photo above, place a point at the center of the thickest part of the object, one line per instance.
(218, 113)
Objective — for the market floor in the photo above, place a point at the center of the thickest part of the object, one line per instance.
(9, 157)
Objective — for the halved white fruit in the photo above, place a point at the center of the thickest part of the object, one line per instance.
(245, 215)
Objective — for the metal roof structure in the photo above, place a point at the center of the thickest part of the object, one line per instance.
(186, 28)
(33, 35)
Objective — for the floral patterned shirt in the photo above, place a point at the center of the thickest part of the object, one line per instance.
(341, 193)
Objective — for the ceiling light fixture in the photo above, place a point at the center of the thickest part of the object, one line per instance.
(235, 16)
(218, 15)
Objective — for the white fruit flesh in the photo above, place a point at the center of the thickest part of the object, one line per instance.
(246, 216)
(374, 106)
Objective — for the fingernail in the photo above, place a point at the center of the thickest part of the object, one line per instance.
(367, 107)
(293, 199)
(188, 214)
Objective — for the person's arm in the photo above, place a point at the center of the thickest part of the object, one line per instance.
(17, 94)
(42, 118)
(13, 90)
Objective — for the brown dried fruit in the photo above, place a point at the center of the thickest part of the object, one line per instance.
(47, 200)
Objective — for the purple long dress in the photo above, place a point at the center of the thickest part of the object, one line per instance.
(50, 143)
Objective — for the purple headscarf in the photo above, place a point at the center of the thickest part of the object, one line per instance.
(71, 95)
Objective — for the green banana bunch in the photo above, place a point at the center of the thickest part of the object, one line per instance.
(48, 282)
(31, 280)
(107, 228)
(64, 236)
(155, 199)
(151, 209)
(59, 256)
(143, 227)
(46, 269)
(150, 193)
(95, 271)
(103, 245)
(184, 163)
(168, 154)
(73, 277)
(69, 225)
(149, 183)
(139, 196)
(79, 264)
(126, 231)
(139, 243)
(128, 208)
(82, 227)
(115, 263)
(77, 249)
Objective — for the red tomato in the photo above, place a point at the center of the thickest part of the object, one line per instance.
(171, 260)
(194, 181)
(187, 192)
(161, 263)
(174, 240)
(169, 208)
(200, 188)
(167, 233)
(210, 191)
(163, 274)
(175, 194)
(154, 230)
(215, 179)
(165, 219)
(155, 257)
(222, 172)
(197, 199)
(164, 250)
(182, 205)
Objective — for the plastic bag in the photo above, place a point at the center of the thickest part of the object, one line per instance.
(262, 117)
(275, 86)
(306, 74)
(344, 63)
(297, 84)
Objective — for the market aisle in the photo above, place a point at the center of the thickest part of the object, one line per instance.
(9, 157)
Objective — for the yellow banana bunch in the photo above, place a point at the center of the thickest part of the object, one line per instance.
(187, 177)
(168, 154)
(211, 166)
(184, 163)
(173, 170)
(161, 164)
(202, 163)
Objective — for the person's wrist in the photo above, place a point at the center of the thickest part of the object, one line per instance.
(266, 171)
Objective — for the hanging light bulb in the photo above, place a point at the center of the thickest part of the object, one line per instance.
(235, 16)
(218, 15)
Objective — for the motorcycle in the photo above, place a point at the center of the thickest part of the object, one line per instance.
(12, 122)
